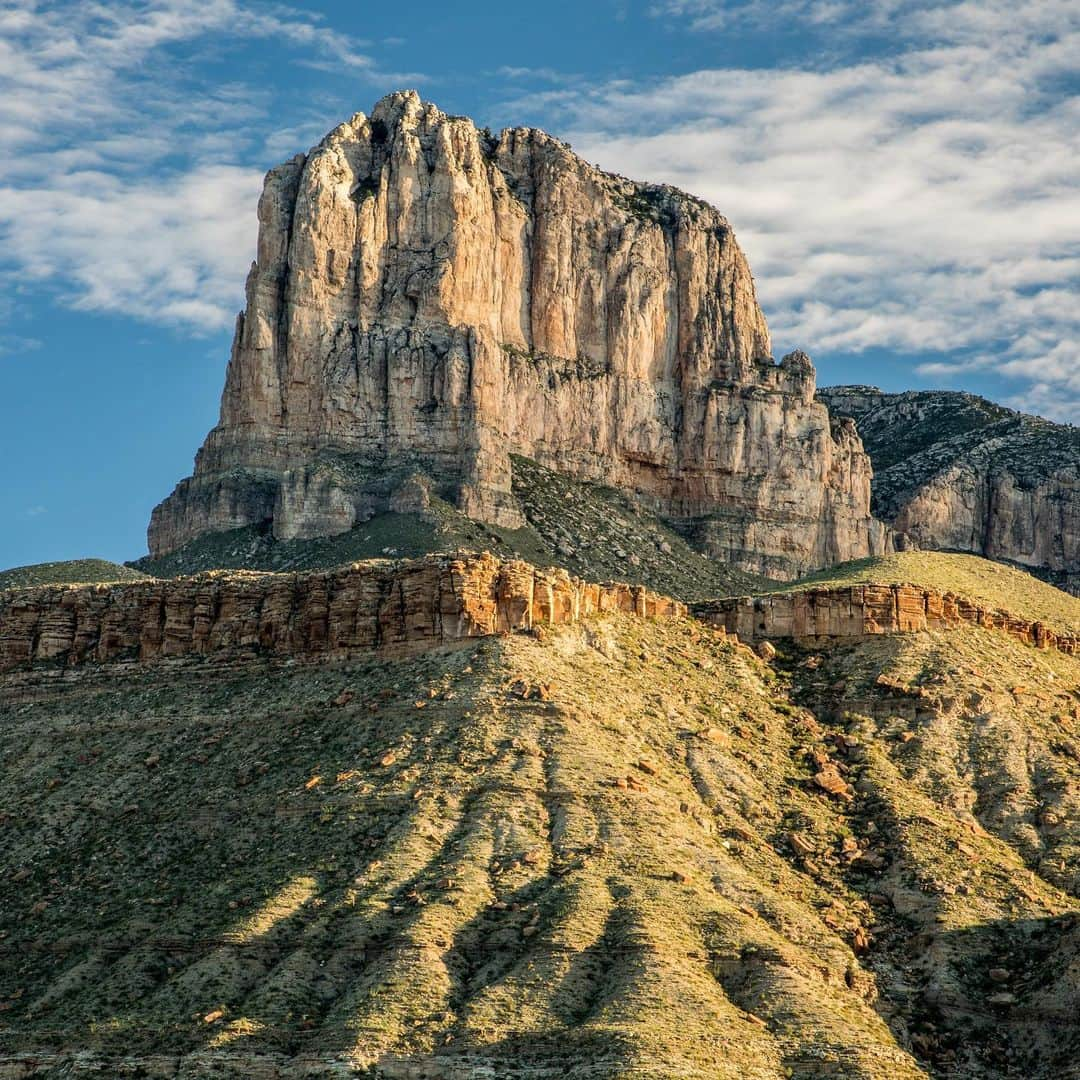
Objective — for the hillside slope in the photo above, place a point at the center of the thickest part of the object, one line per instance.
(595, 532)
(525, 856)
(74, 572)
(957, 472)
(991, 583)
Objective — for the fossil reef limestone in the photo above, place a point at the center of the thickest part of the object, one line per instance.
(428, 298)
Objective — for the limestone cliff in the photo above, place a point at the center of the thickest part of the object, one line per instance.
(957, 472)
(395, 608)
(428, 298)
(854, 612)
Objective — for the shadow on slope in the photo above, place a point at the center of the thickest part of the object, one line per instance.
(595, 532)
(601, 851)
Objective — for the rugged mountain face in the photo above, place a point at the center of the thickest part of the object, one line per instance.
(394, 608)
(428, 298)
(859, 858)
(595, 532)
(955, 471)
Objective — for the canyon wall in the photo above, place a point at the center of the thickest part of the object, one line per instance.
(860, 611)
(428, 298)
(390, 607)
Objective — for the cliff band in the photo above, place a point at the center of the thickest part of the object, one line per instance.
(860, 611)
(396, 608)
(428, 298)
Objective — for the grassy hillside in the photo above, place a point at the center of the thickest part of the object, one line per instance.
(595, 532)
(992, 583)
(622, 849)
(75, 572)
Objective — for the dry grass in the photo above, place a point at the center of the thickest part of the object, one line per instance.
(74, 572)
(991, 583)
(447, 876)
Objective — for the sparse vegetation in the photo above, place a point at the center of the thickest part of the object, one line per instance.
(913, 437)
(74, 572)
(525, 856)
(991, 583)
(595, 532)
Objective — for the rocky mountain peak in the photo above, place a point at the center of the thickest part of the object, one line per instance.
(428, 299)
(958, 472)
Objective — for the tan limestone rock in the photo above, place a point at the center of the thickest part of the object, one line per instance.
(429, 299)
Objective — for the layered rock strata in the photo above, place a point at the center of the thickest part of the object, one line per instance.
(428, 298)
(956, 472)
(861, 611)
(390, 607)
(407, 607)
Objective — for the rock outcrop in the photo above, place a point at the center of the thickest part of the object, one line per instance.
(428, 298)
(394, 608)
(956, 472)
(409, 606)
(860, 611)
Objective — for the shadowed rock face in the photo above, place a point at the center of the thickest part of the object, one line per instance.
(428, 298)
(957, 472)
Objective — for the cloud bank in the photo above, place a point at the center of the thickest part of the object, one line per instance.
(127, 184)
(923, 201)
(906, 181)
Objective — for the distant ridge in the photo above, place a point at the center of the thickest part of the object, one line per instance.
(73, 572)
(956, 472)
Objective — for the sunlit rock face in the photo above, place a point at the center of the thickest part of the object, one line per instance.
(428, 298)
(956, 472)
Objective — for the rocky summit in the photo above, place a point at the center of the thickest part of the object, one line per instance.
(429, 299)
(955, 471)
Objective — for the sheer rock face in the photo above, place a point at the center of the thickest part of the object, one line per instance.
(959, 473)
(854, 612)
(428, 297)
(394, 608)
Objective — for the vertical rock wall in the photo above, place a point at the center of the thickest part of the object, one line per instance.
(390, 607)
(428, 296)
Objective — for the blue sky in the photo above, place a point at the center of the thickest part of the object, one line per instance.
(902, 176)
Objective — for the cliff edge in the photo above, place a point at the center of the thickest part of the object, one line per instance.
(429, 298)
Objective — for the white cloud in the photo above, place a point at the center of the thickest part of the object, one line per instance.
(916, 193)
(17, 345)
(127, 183)
(901, 21)
(541, 74)
(922, 201)
(172, 251)
(724, 14)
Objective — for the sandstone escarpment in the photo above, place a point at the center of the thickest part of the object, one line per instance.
(956, 472)
(861, 611)
(390, 607)
(428, 298)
